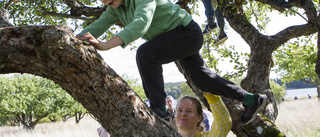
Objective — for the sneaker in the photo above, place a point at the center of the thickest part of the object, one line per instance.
(250, 113)
(161, 113)
(220, 39)
(209, 28)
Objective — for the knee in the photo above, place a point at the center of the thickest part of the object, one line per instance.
(144, 53)
(141, 53)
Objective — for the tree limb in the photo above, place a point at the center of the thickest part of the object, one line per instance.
(54, 53)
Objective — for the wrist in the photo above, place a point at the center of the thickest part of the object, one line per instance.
(101, 45)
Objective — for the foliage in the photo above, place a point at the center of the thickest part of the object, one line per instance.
(3, 121)
(186, 90)
(278, 90)
(214, 54)
(290, 57)
(173, 89)
(23, 13)
(28, 99)
(257, 13)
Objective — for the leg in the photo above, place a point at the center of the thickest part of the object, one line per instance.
(222, 37)
(220, 19)
(173, 45)
(209, 12)
(208, 81)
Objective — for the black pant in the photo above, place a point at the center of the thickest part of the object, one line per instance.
(181, 44)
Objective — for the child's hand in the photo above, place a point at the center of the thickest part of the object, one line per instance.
(78, 37)
(91, 39)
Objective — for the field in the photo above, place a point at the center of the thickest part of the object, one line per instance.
(296, 118)
(86, 128)
(299, 118)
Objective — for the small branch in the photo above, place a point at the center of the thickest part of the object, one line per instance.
(298, 14)
(255, 15)
(68, 16)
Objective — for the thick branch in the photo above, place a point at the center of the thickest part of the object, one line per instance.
(78, 9)
(53, 52)
(292, 32)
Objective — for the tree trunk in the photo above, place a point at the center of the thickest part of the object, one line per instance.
(260, 63)
(66, 117)
(317, 67)
(318, 92)
(79, 116)
(235, 109)
(54, 53)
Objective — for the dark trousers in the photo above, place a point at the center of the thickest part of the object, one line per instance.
(181, 44)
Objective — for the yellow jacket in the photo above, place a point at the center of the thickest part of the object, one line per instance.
(222, 121)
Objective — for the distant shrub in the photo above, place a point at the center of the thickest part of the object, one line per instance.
(278, 91)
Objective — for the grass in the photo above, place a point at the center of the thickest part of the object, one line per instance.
(296, 118)
(299, 118)
(86, 128)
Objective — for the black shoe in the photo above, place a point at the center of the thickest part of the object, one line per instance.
(250, 113)
(209, 28)
(161, 113)
(220, 39)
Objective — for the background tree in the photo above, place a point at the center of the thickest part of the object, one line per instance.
(173, 89)
(278, 91)
(297, 62)
(28, 99)
(72, 108)
(295, 84)
(259, 64)
(186, 90)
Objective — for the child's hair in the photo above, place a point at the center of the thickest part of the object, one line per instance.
(198, 106)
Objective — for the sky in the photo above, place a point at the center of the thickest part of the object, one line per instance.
(123, 60)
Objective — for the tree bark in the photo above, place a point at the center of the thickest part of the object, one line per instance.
(53, 52)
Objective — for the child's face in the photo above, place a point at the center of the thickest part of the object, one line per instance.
(113, 3)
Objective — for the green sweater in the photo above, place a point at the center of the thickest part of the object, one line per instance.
(142, 18)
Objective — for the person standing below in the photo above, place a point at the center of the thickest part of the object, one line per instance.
(170, 105)
(189, 115)
(171, 35)
(212, 11)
